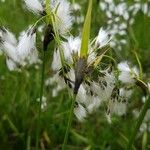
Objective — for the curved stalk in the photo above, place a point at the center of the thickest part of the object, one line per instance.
(40, 102)
(138, 123)
(69, 122)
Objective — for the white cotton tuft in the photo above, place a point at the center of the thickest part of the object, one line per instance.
(63, 18)
(80, 112)
(11, 64)
(34, 5)
(56, 63)
(108, 117)
(33, 58)
(8, 36)
(43, 102)
(76, 6)
(119, 108)
(148, 85)
(26, 45)
(81, 96)
(94, 103)
(124, 93)
(127, 74)
(22, 53)
(58, 82)
(102, 39)
(105, 86)
(9, 50)
(72, 46)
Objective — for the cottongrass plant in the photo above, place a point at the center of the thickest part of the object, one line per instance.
(78, 65)
(23, 52)
(113, 85)
(19, 53)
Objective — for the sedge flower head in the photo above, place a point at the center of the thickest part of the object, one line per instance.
(127, 74)
(34, 6)
(103, 38)
(26, 45)
(63, 19)
(71, 47)
(80, 112)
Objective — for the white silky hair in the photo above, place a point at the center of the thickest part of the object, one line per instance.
(80, 112)
(63, 19)
(34, 6)
(72, 46)
(103, 38)
(127, 74)
(19, 53)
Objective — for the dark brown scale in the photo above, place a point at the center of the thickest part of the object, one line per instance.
(3, 29)
(103, 84)
(119, 100)
(31, 31)
(64, 70)
(124, 100)
(102, 87)
(1, 40)
(48, 37)
(43, 13)
(115, 93)
(80, 69)
(68, 82)
(76, 104)
(108, 111)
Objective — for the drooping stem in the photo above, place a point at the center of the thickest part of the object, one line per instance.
(40, 102)
(69, 122)
(138, 123)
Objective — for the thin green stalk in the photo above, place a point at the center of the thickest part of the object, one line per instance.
(139, 63)
(40, 102)
(138, 123)
(28, 142)
(69, 123)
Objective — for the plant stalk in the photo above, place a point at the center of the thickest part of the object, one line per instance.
(69, 123)
(40, 102)
(138, 123)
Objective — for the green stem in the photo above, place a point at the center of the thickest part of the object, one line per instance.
(138, 123)
(69, 122)
(28, 142)
(39, 107)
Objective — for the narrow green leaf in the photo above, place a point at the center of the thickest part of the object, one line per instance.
(48, 11)
(86, 32)
(80, 137)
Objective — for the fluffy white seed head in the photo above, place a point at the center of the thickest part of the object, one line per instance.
(63, 19)
(102, 39)
(124, 93)
(58, 82)
(72, 46)
(56, 63)
(81, 96)
(43, 103)
(93, 103)
(148, 85)
(9, 50)
(127, 74)
(34, 6)
(7, 36)
(11, 64)
(120, 108)
(26, 45)
(80, 112)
